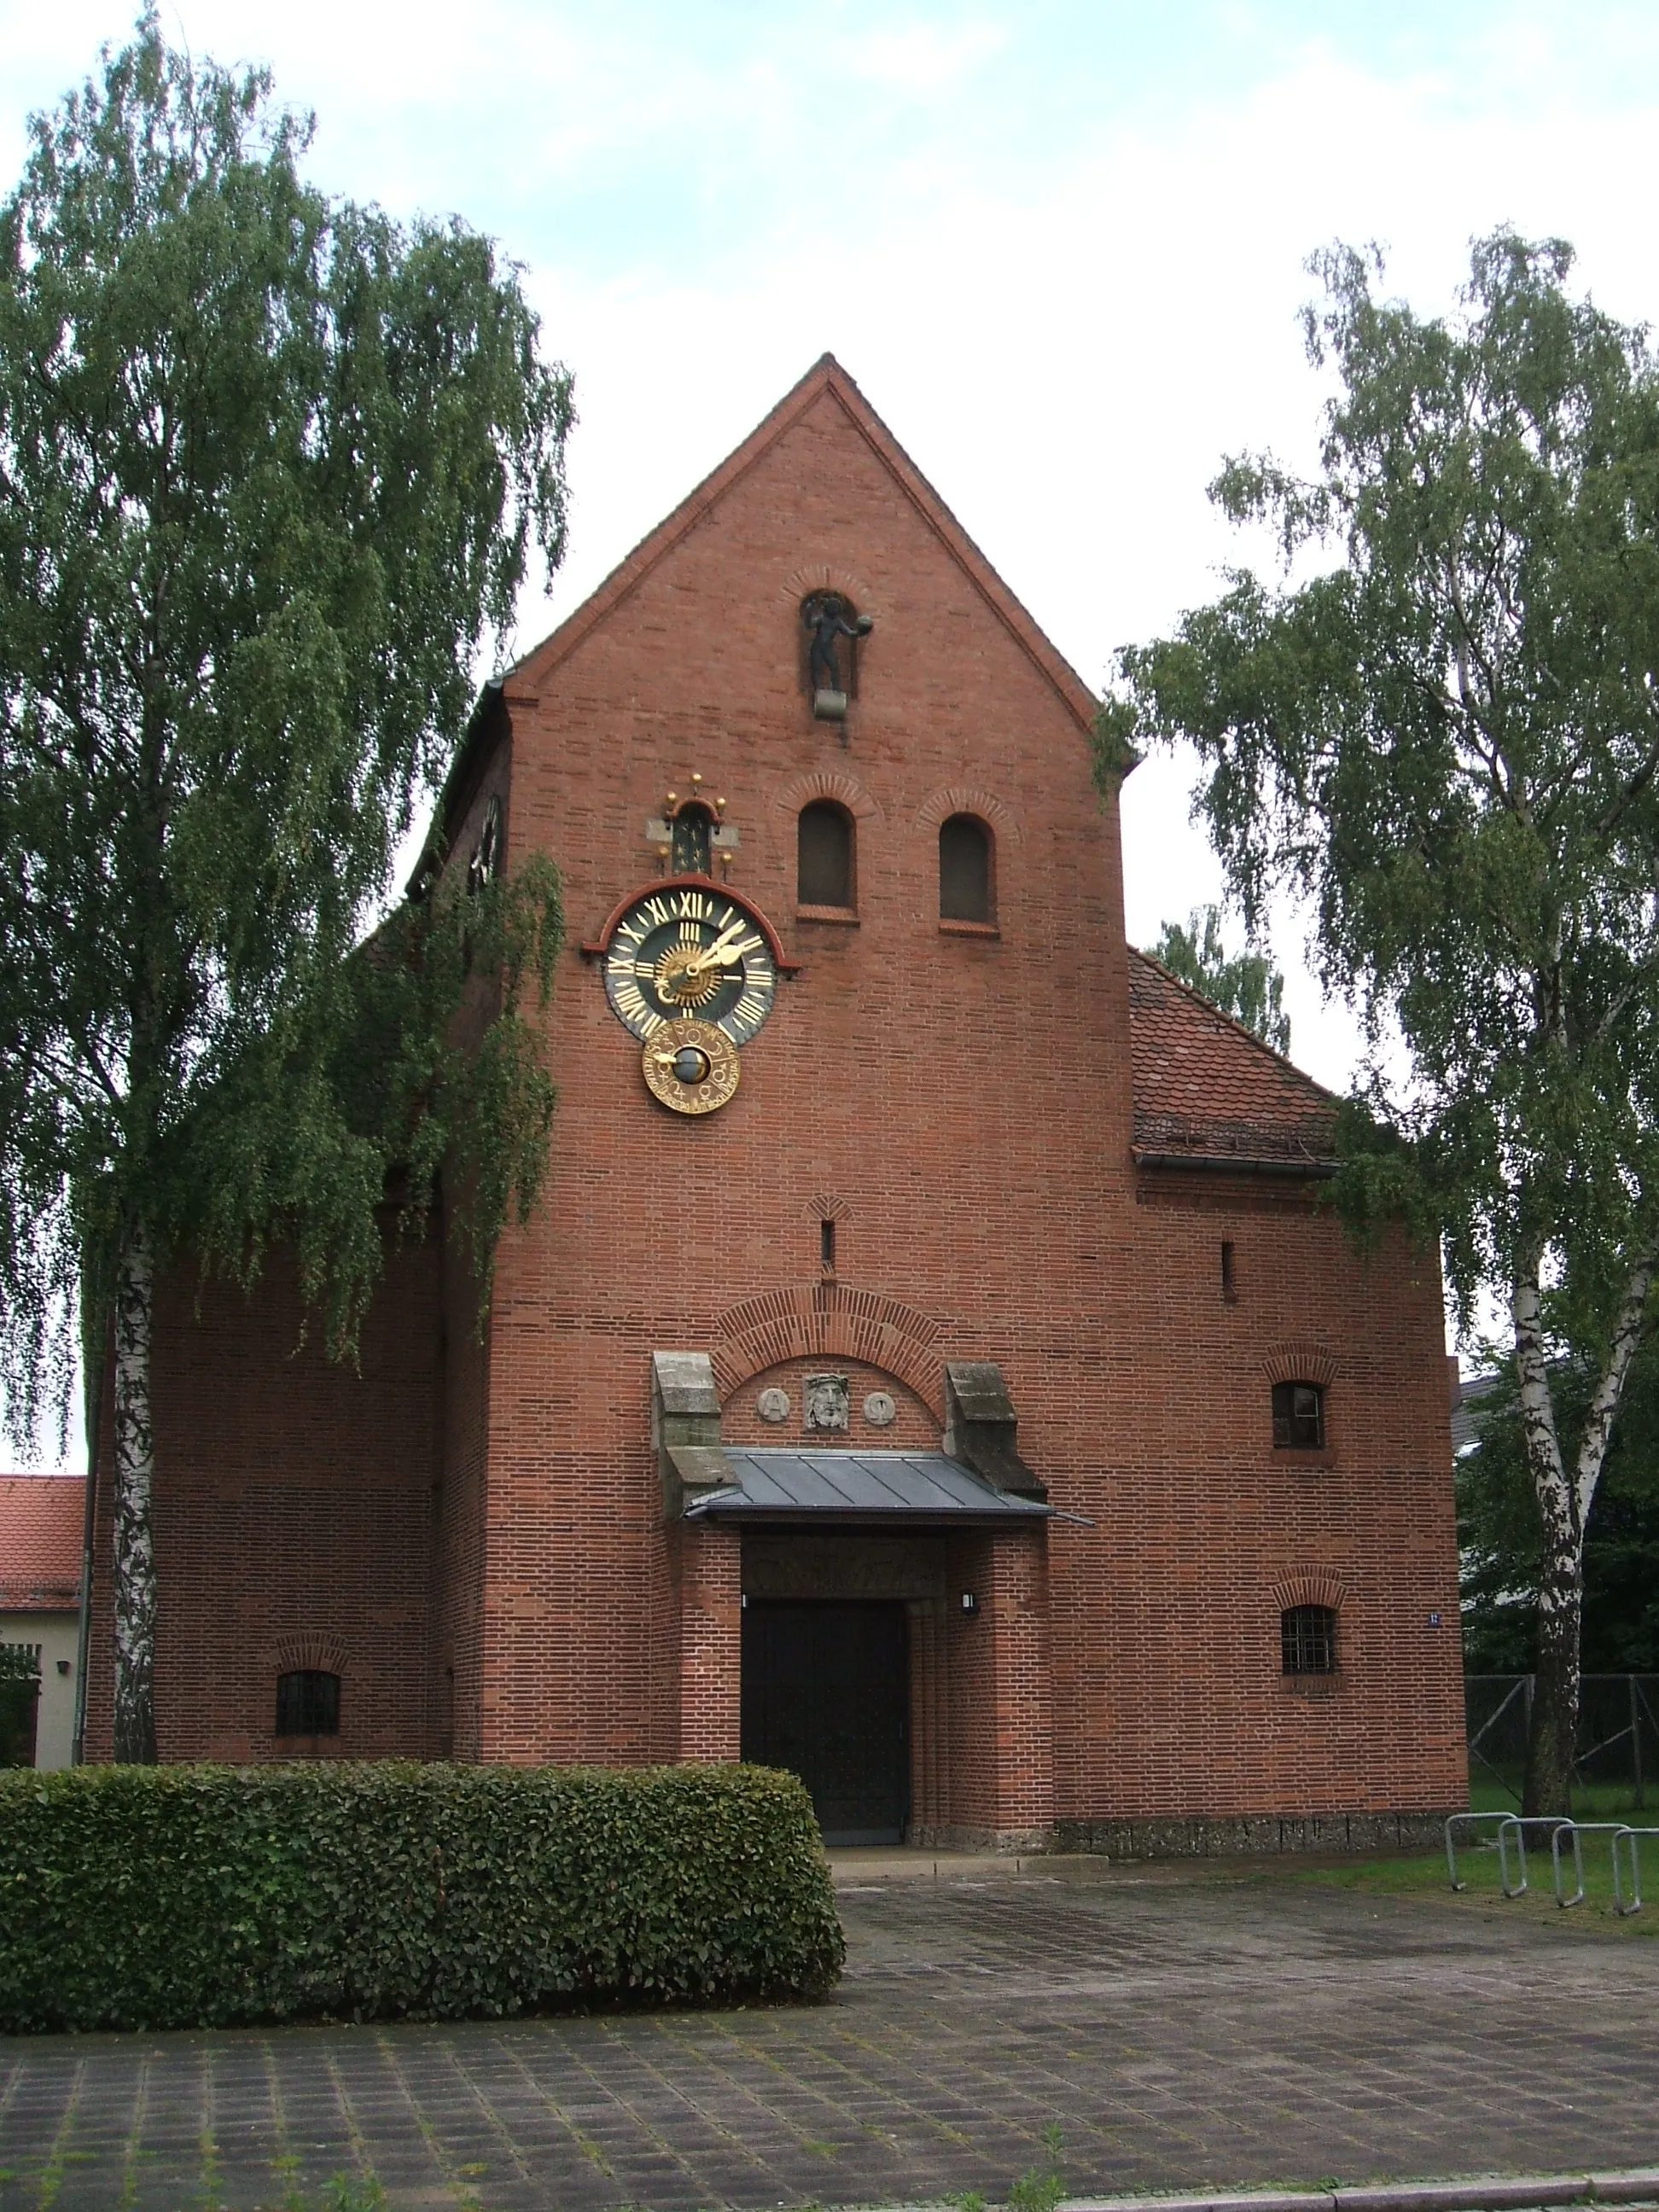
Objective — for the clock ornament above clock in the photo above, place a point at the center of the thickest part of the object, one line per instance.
(692, 973)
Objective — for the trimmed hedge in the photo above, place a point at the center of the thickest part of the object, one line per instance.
(213, 1896)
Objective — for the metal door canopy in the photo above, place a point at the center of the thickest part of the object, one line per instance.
(807, 1486)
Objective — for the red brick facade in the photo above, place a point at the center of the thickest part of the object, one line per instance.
(1033, 1145)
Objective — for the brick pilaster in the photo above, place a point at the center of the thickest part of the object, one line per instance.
(711, 1641)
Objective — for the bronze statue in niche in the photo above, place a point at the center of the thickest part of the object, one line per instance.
(828, 618)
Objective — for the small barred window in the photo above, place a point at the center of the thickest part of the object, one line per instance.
(1308, 1637)
(308, 1703)
(1299, 1416)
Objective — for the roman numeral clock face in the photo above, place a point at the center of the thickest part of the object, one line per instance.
(691, 974)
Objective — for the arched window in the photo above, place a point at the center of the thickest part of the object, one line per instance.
(307, 1702)
(1299, 1416)
(691, 832)
(965, 870)
(824, 870)
(1307, 1635)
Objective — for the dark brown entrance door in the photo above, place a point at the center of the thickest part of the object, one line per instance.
(826, 1694)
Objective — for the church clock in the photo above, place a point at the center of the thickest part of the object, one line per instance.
(691, 972)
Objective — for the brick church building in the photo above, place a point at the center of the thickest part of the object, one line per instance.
(930, 1367)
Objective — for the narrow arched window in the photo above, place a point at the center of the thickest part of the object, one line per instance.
(965, 870)
(824, 870)
(1306, 1636)
(1298, 1416)
(692, 834)
(307, 1702)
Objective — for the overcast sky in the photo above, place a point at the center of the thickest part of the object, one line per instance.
(1059, 246)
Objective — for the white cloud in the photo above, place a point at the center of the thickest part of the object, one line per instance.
(925, 59)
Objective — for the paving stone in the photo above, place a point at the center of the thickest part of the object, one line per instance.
(1186, 2032)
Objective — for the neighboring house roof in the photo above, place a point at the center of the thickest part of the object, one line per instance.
(40, 1530)
(1470, 1391)
(1208, 1089)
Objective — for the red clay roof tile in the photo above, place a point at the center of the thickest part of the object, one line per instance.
(1205, 1086)
(40, 1518)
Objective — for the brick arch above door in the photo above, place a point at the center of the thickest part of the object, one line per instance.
(885, 1413)
(829, 1321)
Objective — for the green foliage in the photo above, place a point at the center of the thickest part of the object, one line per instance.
(1247, 985)
(1447, 741)
(270, 469)
(181, 1897)
(1041, 2188)
(344, 2193)
(1501, 1536)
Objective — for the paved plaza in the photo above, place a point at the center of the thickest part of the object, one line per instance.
(1178, 2029)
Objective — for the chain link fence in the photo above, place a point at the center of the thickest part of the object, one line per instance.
(1617, 1732)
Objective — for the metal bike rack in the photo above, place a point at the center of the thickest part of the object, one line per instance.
(1635, 1904)
(1577, 1829)
(1512, 1828)
(1466, 1820)
(1520, 1822)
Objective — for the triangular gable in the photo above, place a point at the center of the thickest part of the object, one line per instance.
(825, 376)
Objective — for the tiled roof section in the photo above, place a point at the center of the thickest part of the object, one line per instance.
(1206, 1088)
(1466, 1409)
(40, 1519)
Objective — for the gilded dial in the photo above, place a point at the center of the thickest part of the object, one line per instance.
(688, 955)
(691, 1066)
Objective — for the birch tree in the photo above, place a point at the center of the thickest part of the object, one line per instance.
(1446, 740)
(1245, 985)
(270, 469)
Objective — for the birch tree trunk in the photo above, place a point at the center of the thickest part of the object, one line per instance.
(1563, 1506)
(135, 1545)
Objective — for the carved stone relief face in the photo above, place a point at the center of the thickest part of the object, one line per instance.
(773, 1406)
(827, 1401)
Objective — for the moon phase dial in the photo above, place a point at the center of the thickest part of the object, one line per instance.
(692, 1066)
(691, 974)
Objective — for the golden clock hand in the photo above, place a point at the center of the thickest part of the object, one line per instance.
(714, 957)
(722, 954)
(733, 929)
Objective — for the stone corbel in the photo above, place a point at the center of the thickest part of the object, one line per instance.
(685, 1430)
(982, 1429)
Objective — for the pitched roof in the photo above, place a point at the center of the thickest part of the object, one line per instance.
(1472, 1390)
(825, 377)
(40, 1518)
(1207, 1088)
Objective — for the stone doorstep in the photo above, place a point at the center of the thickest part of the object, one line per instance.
(858, 1864)
(874, 1865)
(1507, 2192)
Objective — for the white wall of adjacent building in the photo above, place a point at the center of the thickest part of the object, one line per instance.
(55, 1636)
